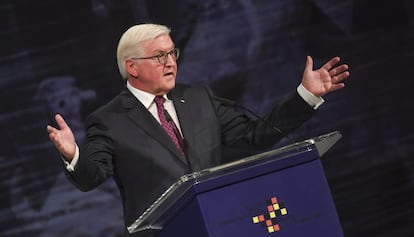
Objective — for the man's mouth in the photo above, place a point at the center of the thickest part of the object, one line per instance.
(168, 74)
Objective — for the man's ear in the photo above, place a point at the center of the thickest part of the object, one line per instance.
(131, 68)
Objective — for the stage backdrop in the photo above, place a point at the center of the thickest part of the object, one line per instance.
(59, 57)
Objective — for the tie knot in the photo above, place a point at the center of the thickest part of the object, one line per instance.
(159, 100)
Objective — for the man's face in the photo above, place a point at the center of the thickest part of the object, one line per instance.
(152, 76)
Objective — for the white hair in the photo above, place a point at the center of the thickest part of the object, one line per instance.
(130, 44)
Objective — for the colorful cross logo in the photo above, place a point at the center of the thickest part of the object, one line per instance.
(275, 209)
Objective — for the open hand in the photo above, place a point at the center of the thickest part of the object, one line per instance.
(326, 79)
(62, 138)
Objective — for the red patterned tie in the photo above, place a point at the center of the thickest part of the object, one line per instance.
(169, 125)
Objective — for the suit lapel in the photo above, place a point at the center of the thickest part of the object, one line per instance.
(144, 120)
(183, 106)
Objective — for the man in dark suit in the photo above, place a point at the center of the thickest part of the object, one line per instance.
(126, 137)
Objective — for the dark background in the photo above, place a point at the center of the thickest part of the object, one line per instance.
(59, 56)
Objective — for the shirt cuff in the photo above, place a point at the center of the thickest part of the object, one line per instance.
(311, 99)
(70, 166)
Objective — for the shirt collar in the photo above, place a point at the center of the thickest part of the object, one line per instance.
(144, 97)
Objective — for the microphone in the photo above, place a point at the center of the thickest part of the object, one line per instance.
(175, 129)
(232, 103)
(167, 116)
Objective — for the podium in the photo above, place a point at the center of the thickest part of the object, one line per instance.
(282, 192)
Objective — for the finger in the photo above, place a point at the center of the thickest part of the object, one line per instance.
(53, 137)
(327, 66)
(309, 63)
(340, 77)
(51, 129)
(60, 121)
(336, 87)
(339, 69)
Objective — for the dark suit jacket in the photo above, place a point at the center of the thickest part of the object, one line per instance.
(125, 141)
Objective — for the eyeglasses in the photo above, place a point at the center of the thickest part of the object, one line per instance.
(163, 56)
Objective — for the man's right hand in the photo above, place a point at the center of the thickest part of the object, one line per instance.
(62, 138)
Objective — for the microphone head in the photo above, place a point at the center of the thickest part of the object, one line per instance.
(224, 101)
(167, 116)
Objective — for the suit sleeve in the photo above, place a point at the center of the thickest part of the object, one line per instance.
(240, 130)
(95, 158)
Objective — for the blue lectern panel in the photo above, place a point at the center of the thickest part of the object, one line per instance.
(294, 201)
(291, 202)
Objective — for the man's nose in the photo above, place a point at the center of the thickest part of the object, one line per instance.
(170, 59)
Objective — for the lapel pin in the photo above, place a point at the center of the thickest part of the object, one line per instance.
(182, 101)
